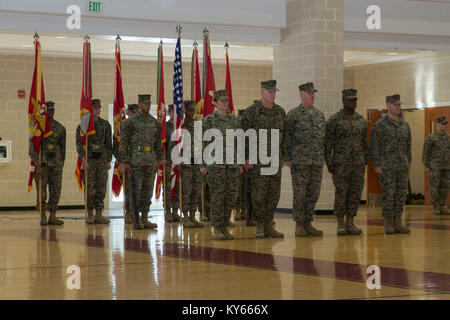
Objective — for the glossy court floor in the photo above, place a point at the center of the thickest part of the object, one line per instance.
(117, 262)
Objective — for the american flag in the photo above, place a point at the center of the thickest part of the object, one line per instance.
(177, 104)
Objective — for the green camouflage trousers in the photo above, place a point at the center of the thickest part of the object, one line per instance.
(143, 180)
(170, 202)
(348, 182)
(439, 185)
(207, 197)
(394, 188)
(224, 184)
(191, 187)
(265, 194)
(306, 181)
(97, 183)
(51, 177)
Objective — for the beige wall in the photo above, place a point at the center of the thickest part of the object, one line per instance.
(416, 121)
(419, 81)
(62, 81)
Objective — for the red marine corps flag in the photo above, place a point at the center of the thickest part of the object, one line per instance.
(208, 77)
(119, 117)
(196, 90)
(161, 114)
(86, 122)
(39, 125)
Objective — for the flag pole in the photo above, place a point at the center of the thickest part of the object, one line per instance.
(164, 147)
(86, 39)
(179, 29)
(36, 40)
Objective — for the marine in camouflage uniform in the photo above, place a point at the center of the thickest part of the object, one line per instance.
(53, 155)
(346, 154)
(265, 188)
(132, 109)
(140, 152)
(191, 179)
(223, 179)
(305, 133)
(99, 162)
(390, 153)
(172, 204)
(436, 158)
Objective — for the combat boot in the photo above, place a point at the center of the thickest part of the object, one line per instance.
(147, 224)
(443, 209)
(398, 227)
(187, 222)
(300, 229)
(436, 210)
(350, 226)
(43, 220)
(218, 234)
(269, 230)
(311, 230)
(128, 218)
(341, 228)
(137, 224)
(260, 230)
(388, 225)
(99, 219)
(228, 236)
(52, 220)
(168, 215)
(175, 216)
(90, 217)
(197, 224)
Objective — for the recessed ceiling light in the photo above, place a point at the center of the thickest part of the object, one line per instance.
(392, 53)
(61, 37)
(27, 45)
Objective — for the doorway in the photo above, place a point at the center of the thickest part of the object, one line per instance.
(422, 123)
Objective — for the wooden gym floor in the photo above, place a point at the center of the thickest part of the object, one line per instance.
(117, 262)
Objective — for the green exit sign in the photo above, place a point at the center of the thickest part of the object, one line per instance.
(94, 6)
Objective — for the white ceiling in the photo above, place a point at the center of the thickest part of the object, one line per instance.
(141, 48)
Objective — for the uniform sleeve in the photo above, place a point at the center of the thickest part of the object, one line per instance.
(409, 146)
(289, 127)
(374, 148)
(115, 149)
(329, 143)
(167, 144)
(32, 152)
(157, 146)
(247, 123)
(364, 142)
(206, 125)
(124, 154)
(426, 152)
(108, 142)
(79, 144)
(283, 151)
(62, 145)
